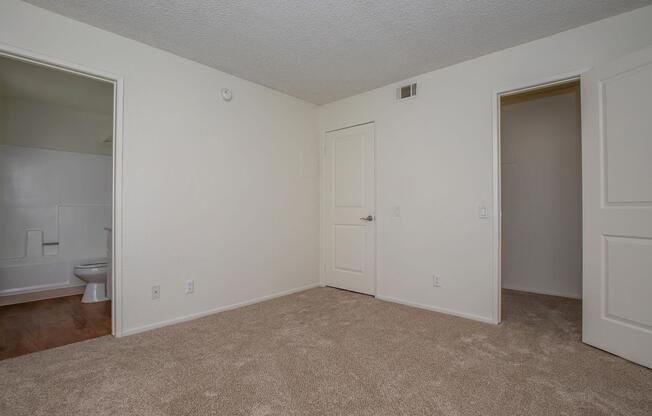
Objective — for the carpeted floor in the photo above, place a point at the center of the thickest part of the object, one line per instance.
(330, 352)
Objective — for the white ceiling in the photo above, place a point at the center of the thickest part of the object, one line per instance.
(20, 79)
(324, 50)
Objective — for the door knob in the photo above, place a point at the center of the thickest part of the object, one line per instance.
(367, 218)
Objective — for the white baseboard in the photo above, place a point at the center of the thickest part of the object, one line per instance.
(185, 318)
(544, 292)
(437, 309)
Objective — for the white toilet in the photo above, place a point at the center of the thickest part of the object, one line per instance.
(94, 274)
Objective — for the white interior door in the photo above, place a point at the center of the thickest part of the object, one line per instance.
(617, 207)
(349, 208)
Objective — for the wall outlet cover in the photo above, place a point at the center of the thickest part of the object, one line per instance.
(435, 281)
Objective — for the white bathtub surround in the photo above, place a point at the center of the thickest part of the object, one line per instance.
(43, 187)
(50, 197)
(41, 295)
(18, 276)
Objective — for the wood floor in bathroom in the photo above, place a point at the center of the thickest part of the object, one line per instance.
(35, 326)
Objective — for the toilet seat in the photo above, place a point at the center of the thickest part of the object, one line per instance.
(91, 266)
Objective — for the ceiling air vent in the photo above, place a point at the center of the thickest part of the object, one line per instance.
(406, 91)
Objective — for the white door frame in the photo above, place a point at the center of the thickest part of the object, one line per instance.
(322, 201)
(496, 191)
(12, 52)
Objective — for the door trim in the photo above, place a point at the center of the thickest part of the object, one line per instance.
(25, 55)
(496, 254)
(322, 202)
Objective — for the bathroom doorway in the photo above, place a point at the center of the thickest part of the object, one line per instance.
(58, 130)
(541, 203)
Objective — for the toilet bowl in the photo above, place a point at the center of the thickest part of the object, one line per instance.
(94, 274)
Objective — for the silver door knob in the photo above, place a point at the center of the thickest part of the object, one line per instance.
(367, 218)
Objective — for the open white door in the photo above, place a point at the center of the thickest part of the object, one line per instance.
(617, 207)
(349, 209)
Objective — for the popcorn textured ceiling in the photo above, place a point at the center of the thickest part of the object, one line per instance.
(325, 50)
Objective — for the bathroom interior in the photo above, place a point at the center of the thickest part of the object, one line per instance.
(56, 178)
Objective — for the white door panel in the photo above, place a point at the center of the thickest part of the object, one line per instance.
(627, 143)
(350, 197)
(617, 207)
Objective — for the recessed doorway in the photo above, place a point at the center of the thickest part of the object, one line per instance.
(541, 191)
(541, 202)
(57, 179)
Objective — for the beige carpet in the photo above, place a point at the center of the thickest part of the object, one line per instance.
(331, 352)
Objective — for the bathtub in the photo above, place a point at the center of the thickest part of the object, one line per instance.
(23, 275)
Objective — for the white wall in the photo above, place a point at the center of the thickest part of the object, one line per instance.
(222, 193)
(434, 160)
(43, 125)
(542, 195)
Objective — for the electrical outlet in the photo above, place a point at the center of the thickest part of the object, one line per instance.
(190, 287)
(435, 280)
(156, 292)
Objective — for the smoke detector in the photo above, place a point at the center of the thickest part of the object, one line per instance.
(226, 93)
